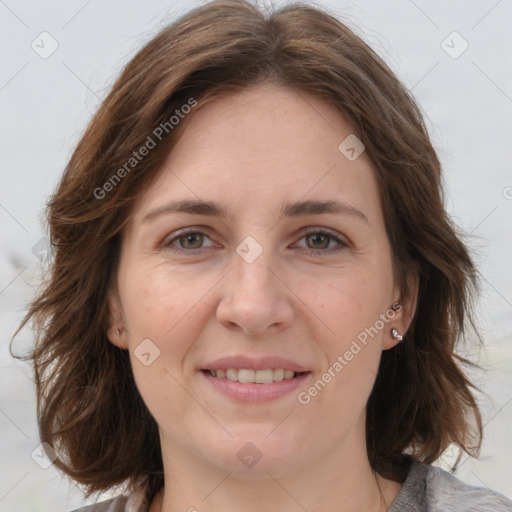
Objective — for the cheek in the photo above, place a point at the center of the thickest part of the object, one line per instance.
(353, 302)
(162, 310)
(352, 307)
(158, 302)
(168, 308)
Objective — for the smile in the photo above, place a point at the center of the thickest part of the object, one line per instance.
(254, 376)
(254, 385)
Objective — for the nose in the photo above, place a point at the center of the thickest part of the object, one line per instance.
(255, 298)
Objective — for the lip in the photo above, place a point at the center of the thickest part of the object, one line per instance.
(248, 392)
(261, 363)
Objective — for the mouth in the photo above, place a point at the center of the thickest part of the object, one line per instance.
(250, 376)
(254, 379)
(252, 386)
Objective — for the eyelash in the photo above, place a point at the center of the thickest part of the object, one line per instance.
(312, 252)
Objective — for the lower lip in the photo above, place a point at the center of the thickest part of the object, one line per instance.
(249, 392)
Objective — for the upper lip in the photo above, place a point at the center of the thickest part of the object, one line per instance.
(260, 363)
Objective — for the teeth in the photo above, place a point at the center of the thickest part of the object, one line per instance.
(253, 376)
(279, 374)
(288, 374)
(232, 374)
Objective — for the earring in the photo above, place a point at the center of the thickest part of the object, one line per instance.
(395, 335)
(118, 332)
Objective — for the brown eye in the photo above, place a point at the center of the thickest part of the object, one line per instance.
(191, 241)
(319, 240)
(322, 242)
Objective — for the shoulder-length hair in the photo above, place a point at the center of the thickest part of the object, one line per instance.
(89, 409)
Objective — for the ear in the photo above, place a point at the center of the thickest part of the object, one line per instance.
(116, 331)
(404, 313)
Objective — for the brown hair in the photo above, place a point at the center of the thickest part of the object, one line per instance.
(89, 408)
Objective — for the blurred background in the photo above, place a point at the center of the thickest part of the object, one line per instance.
(58, 61)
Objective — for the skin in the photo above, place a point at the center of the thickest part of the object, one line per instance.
(251, 152)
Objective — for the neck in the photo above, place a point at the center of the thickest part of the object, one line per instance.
(337, 482)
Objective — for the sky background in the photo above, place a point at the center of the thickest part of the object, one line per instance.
(455, 56)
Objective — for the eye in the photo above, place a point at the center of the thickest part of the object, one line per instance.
(319, 240)
(187, 241)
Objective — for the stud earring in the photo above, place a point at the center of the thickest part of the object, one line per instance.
(395, 335)
(118, 332)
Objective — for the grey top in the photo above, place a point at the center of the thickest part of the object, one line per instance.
(426, 489)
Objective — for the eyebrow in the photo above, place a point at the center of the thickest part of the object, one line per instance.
(297, 209)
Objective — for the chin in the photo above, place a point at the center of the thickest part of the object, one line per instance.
(252, 454)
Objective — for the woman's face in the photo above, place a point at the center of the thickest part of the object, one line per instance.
(286, 268)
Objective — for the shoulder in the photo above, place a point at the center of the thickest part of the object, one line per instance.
(447, 492)
(434, 489)
(133, 503)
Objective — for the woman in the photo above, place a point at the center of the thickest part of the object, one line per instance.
(257, 294)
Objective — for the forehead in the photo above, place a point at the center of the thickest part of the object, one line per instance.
(260, 148)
